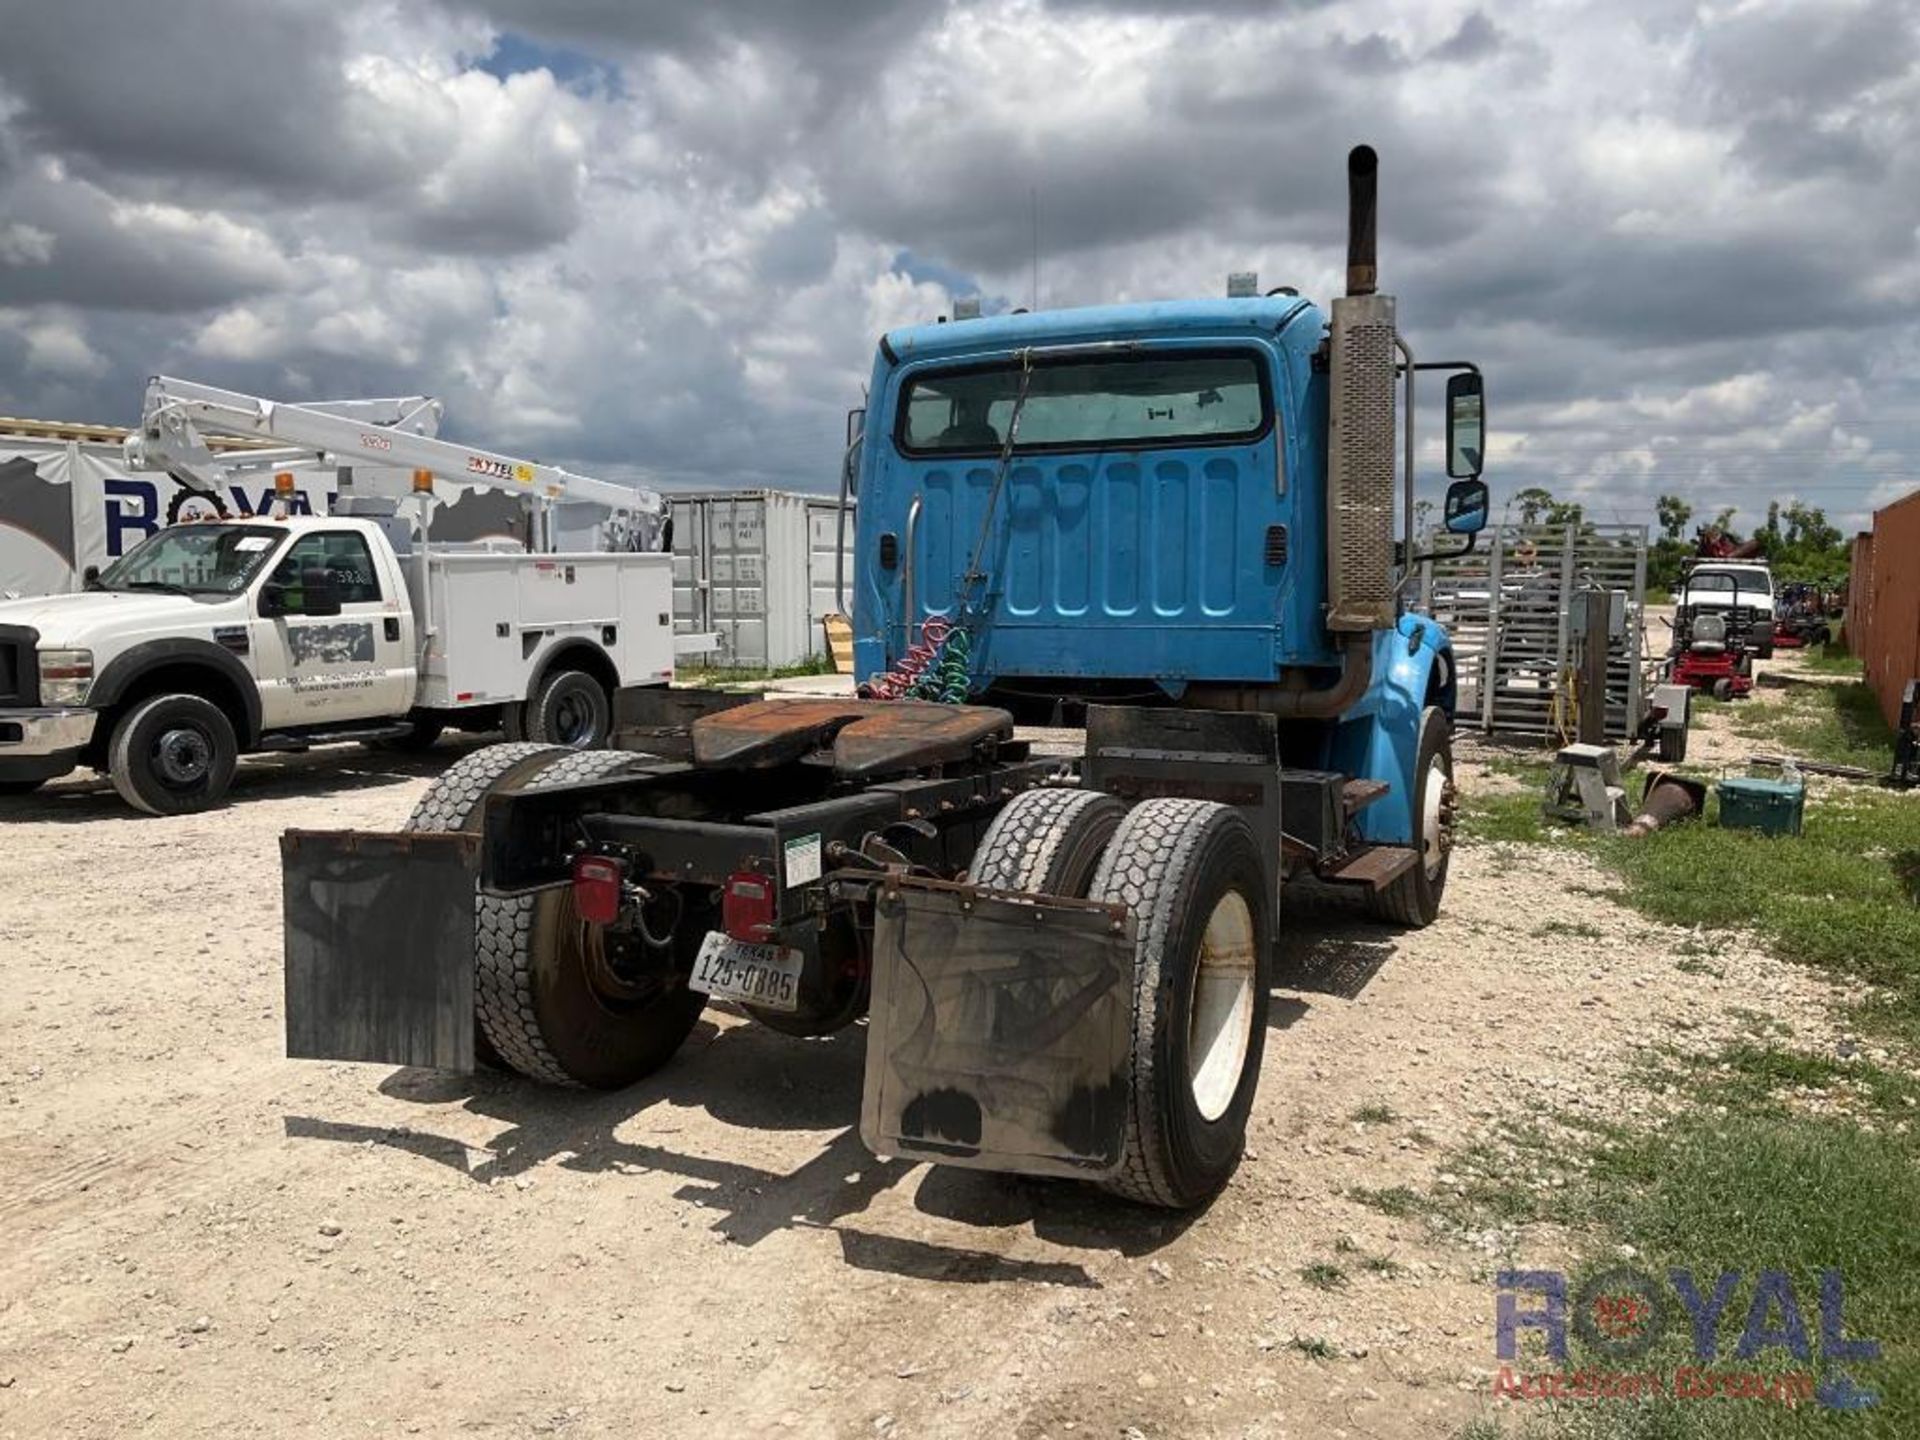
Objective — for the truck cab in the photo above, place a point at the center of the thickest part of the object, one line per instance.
(1139, 504)
(1149, 519)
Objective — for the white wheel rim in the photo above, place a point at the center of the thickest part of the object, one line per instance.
(1433, 848)
(1220, 1023)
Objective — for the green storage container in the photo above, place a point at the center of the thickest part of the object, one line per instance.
(1773, 807)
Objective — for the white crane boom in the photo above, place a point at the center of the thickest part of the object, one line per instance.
(179, 415)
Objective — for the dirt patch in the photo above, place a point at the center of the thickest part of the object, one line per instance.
(206, 1238)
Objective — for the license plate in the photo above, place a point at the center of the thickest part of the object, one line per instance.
(764, 975)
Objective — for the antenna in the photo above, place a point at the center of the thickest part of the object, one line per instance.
(1033, 195)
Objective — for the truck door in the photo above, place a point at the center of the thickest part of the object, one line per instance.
(322, 670)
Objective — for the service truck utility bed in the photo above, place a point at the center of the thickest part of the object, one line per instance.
(495, 616)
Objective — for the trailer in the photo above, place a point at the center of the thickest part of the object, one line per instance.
(1190, 522)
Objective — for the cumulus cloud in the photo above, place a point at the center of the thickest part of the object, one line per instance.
(651, 238)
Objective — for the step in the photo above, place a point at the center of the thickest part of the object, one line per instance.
(1376, 867)
(1356, 795)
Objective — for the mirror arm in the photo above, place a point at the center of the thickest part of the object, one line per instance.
(1466, 549)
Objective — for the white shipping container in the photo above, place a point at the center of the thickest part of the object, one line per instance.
(756, 567)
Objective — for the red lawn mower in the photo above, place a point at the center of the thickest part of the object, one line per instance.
(1707, 658)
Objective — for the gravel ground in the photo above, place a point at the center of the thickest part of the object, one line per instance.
(203, 1238)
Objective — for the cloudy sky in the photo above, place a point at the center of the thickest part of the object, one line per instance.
(658, 238)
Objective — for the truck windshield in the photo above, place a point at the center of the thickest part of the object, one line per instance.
(194, 559)
(1715, 583)
(1088, 404)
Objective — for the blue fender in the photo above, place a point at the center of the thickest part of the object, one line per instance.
(1378, 739)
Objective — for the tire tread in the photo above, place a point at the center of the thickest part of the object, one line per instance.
(1144, 868)
(503, 939)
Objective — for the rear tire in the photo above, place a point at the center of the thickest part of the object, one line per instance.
(570, 708)
(1413, 900)
(546, 1001)
(456, 801)
(1190, 873)
(173, 755)
(1047, 842)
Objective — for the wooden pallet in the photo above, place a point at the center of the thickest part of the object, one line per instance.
(839, 632)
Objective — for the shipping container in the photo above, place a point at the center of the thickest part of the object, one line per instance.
(756, 568)
(1892, 653)
(1859, 618)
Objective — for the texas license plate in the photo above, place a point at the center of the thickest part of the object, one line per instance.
(764, 975)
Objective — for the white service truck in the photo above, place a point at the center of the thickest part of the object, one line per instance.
(219, 637)
(1740, 592)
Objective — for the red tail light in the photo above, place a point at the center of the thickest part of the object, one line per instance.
(747, 907)
(598, 883)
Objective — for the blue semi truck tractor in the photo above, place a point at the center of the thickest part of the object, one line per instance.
(1183, 527)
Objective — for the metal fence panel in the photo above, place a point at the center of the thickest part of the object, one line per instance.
(1506, 605)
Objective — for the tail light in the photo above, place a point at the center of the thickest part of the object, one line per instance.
(747, 907)
(599, 882)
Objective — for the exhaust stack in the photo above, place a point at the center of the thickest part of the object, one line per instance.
(1363, 170)
(1361, 425)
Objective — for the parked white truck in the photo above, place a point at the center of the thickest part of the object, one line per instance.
(1740, 592)
(216, 638)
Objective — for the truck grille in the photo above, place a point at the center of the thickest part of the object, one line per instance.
(19, 666)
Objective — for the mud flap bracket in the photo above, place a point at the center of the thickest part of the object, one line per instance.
(379, 946)
(1000, 1032)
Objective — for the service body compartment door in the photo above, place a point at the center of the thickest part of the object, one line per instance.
(1000, 1033)
(379, 946)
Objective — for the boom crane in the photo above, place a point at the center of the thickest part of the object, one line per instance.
(179, 416)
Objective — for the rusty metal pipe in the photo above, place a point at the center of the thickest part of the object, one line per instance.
(1363, 172)
(1293, 698)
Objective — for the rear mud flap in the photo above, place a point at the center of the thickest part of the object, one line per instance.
(379, 947)
(1001, 1029)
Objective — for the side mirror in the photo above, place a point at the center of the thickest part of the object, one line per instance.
(1466, 426)
(1467, 504)
(90, 577)
(850, 455)
(322, 595)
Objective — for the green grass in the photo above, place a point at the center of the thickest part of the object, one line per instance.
(1381, 1265)
(1833, 724)
(1781, 1158)
(1323, 1275)
(1395, 1200)
(1315, 1347)
(1841, 896)
(1746, 1193)
(1373, 1113)
(1830, 659)
(1506, 818)
(747, 674)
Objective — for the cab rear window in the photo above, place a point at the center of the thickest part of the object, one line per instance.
(1131, 401)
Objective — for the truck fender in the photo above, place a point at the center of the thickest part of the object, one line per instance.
(575, 653)
(127, 668)
(1413, 667)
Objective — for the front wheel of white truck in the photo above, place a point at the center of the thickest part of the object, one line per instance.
(173, 755)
